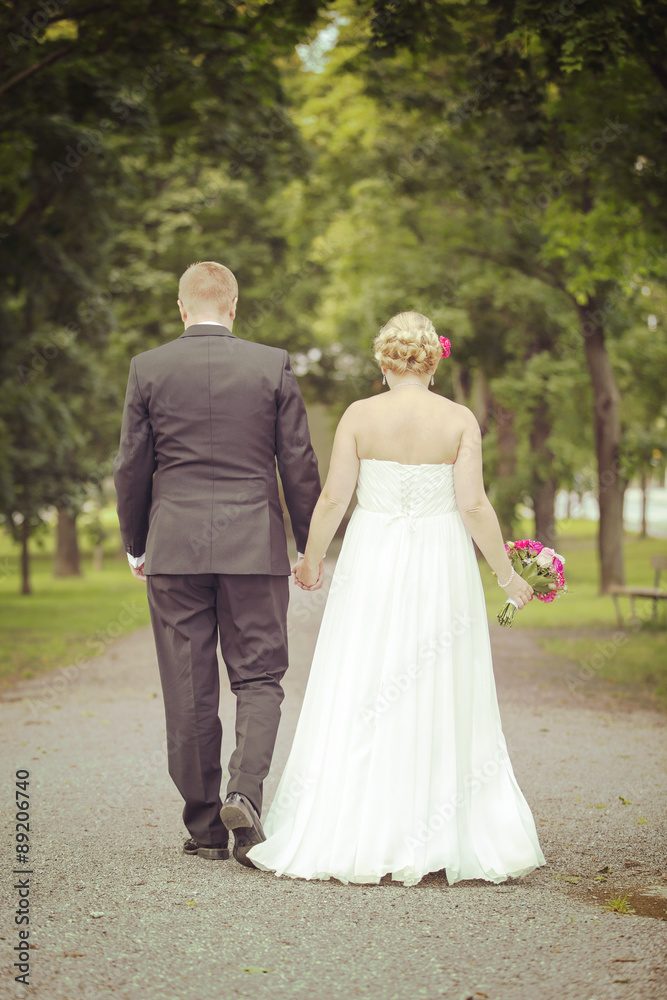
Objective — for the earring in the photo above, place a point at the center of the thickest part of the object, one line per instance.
(432, 380)
(384, 379)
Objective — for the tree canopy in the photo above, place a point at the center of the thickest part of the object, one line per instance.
(497, 165)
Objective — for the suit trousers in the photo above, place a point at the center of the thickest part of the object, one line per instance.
(248, 613)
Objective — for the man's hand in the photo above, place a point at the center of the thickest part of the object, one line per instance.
(138, 572)
(307, 576)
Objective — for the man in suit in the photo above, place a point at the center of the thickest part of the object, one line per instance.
(206, 417)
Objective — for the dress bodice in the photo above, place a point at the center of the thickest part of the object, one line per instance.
(387, 487)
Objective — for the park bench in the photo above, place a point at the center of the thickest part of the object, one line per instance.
(654, 593)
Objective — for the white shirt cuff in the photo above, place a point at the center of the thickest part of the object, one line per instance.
(136, 561)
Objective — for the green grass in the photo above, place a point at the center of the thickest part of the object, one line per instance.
(583, 605)
(581, 625)
(64, 619)
(619, 904)
(639, 663)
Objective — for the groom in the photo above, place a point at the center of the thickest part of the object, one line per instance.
(206, 417)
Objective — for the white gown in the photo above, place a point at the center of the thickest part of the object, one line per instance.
(399, 764)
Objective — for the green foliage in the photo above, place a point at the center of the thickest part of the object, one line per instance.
(492, 180)
(493, 164)
(132, 142)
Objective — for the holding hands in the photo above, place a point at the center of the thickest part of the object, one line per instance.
(138, 572)
(307, 575)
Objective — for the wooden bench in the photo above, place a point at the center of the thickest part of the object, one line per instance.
(654, 593)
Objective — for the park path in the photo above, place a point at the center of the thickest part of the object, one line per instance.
(117, 911)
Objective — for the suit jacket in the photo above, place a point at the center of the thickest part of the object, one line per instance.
(206, 419)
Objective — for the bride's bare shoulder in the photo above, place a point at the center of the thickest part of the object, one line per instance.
(353, 413)
(468, 422)
(463, 410)
(456, 409)
(364, 404)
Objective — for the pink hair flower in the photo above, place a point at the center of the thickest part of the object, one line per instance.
(446, 346)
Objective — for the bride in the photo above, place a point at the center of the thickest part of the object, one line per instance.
(399, 764)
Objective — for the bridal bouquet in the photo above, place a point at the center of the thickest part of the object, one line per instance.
(541, 567)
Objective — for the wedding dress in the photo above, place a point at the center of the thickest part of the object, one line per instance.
(399, 764)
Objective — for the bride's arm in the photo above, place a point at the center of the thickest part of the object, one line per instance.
(336, 493)
(476, 511)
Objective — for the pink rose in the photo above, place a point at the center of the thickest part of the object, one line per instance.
(548, 597)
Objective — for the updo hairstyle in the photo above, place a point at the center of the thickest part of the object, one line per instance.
(408, 342)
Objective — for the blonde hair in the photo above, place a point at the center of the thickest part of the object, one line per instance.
(408, 342)
(207, 284)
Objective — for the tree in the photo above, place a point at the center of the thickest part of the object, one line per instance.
(38, 424)
(554, 99)
(100, 108)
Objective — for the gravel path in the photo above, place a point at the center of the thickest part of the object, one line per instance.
(117, 911)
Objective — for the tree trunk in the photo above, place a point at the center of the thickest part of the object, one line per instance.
(481, 400)
(623, 485)
(607, 425)
(461, 384)
(25, 558)
(98, 558)
(642, 531)
(67, 560)
(505, 504)
(544, 484)
(471, 389)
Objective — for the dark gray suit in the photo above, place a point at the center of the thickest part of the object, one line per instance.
(206, 418)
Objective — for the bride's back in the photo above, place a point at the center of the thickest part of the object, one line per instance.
(411, 425)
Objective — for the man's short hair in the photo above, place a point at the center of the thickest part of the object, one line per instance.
(207, 284)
